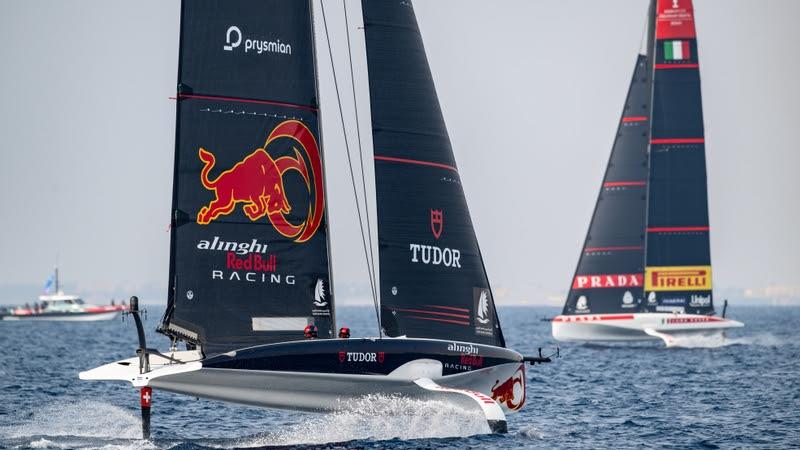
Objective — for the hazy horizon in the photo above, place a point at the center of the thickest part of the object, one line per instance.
(531, 92)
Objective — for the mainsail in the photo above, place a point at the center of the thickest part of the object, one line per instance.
(678, 261)
(249, 250)
(432, 280)
(609, 276)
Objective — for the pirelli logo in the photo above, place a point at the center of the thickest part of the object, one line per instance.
(678, 278)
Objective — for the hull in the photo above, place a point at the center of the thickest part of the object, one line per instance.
(66, 317)
(636, 327)
(331, 374)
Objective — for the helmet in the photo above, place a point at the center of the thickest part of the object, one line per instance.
(344, 332)
(310, 332)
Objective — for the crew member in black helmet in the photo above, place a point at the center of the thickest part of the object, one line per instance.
(344, 333)
(310, 332)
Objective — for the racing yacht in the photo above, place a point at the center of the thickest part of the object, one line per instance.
(251, 292)
(645, 267)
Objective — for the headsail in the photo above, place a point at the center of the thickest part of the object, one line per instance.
(432, 280)
(609, 277)
(678, 261)
(249, 254)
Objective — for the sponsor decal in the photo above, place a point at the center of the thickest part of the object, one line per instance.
(234, 38)
(432, 254)
(678, 278)
(253, 277)
(437, 223)
(675, 19)
(471, 360)
(607, 281)
(651, 298)
(257, 183)
(239, 248)
(377, 357)
(582, 305)
(484, 314)
(627, 300)
(320, 305)
(512, 391)
(673, 301)
(468, 349)
(700, 301)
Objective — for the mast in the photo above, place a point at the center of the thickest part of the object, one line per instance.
(432, 280)
(678, 257)
(249, 260)
(321, 140)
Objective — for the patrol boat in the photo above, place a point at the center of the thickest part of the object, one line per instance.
(645, 267)
(251, 293)
(58, 306)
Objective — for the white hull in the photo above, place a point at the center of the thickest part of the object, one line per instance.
(67, 317)
(307, 391)
(636, 327)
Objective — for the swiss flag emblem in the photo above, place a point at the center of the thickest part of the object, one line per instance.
(380, 357)
(341, 357)
(146, 396)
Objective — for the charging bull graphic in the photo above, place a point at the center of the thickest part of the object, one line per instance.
(504, 392)
(257, 182)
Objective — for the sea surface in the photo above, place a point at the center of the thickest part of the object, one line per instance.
(741, 392)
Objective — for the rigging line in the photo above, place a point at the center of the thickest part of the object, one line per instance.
(350, 164)
(360, 150)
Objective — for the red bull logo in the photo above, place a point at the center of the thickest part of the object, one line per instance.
(256, 182)
(504, 392)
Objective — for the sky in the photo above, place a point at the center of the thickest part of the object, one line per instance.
(531, 92)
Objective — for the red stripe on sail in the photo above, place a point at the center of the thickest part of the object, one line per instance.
(633, 119)
(686, 50)
(669, 229)
(624, 183)
(245, 100)
(677, 66)
(457, 322)
(438, 313)
(611, 249)
(453, 308)
(679, 141)
(415, 161)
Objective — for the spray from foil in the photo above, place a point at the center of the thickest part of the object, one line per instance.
(717, 340)
(95, 419)
(377, 417)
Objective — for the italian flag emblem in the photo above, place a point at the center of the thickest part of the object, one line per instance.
(676, 50)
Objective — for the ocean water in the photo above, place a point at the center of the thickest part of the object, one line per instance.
(741, 392)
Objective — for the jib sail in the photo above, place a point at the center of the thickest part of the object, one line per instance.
(678, 261)
(609, 277)
(432, 280)
(249, 254)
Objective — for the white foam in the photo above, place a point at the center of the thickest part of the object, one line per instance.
(377, 417)
(83, 418)
(719, 340)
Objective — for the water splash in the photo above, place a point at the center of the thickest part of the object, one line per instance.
(718, 340)
(377, 417)
(82, 418)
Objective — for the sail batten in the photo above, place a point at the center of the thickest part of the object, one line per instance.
(432, 280)
(249, 254)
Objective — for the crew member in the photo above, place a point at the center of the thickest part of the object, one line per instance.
(344, 333)
(310, 332)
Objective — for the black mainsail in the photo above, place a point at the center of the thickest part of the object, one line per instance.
(432, 280)
(678, 261)
(249, 244)
(609, 275)
(647, 247)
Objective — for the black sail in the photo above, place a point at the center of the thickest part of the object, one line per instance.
(432, 280)
(678, 261)
(249, 253)
(609, 275)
